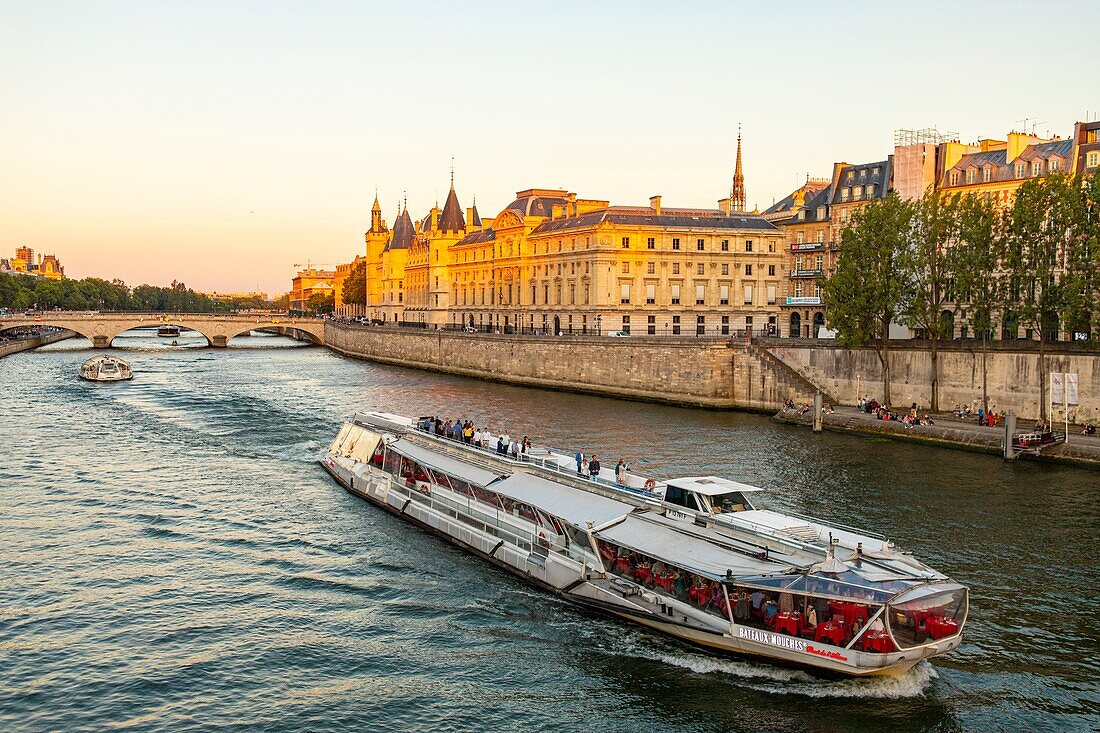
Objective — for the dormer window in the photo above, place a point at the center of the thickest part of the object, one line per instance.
(1053, 165)
(857, 192)
(1092, 160)
(987, 174)
(863, 174)
(801, 215)
(1021, 170)
(820, 212)
(875, 172)
(971, 176)
(851, 176)
(1037, 168)
(844, 194)
(954, 178)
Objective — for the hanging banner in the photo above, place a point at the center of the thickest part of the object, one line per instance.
(1071, 388)
(1057, 388)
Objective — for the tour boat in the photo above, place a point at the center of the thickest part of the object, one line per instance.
(168, 331)
(691, 557)
(106, 369)
(1036, 439)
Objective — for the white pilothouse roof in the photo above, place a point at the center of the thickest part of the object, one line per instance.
(710, 485)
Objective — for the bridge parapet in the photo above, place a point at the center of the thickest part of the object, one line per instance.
(217, 329)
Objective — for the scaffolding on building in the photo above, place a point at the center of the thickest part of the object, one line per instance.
(924, 136)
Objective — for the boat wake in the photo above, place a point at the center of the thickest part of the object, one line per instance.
(763, 678)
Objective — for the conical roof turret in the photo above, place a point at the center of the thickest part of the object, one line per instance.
(452, 218)
(403, 231)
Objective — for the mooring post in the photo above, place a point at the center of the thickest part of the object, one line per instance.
(817, 412)
(1010, 430)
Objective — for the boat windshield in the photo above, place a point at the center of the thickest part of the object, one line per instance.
(927, 613)
(734, 501)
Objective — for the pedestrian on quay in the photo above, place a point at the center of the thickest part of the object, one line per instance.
(594, 468)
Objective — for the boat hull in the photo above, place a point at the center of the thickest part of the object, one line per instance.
(584, 595)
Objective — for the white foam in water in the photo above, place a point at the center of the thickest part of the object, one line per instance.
(913, 683)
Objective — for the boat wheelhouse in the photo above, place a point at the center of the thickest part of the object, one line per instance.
(756, 582)
(168, 331)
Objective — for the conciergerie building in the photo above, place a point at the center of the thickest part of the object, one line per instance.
(553, 262)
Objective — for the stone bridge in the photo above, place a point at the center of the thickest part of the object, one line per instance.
(218, 329)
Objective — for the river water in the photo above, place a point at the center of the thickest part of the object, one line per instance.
(174, 559)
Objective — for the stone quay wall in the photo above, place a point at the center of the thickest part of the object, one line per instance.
(1012, 374)
(728, 373)
(687, 371)
(14, 347)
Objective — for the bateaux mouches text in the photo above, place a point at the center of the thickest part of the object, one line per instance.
(786, 642)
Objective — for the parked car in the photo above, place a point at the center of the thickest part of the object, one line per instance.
(469, 329)
(618, 334)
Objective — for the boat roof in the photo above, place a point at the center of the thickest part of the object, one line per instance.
(665, 543)
(445, 464)
(710, 485)
(573, 505)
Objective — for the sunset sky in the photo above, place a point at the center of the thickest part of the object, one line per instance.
(222, 143)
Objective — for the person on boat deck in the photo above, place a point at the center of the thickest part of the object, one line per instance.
(580, 461)
(525, 446)
(786, 602)
(770, 612)
(811, 617)
(513, 449)
(584, 467)
(505, 441)
(742, 607)
(620, 472)
(594, 468)
(757, 599)
(877, 625)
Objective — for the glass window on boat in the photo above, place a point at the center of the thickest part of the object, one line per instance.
(703, 593)
(680, 497)
(392, 463)
(925, 614)
(734, 501)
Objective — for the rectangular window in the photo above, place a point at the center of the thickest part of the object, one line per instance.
(771, 270)
(699, 270)
(625, 295)
(626, 242)
(700, 294)
(651, 243)
(971, 176)
(725, 325)
(748, 269)
(725, 268)
(987, 173)
(626, 268)
(699, 244)
(798, 289)
(676, 243)
(650, 293)
(651, 325)
(700, 325)
(771, 295)
(650, 268)
(1037, 168)
(725, 245)
(748, 295)
(676, 295)
(748, 245)
(723, 295)
(675, 268)
(676, 325)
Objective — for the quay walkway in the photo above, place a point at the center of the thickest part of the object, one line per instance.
(949, 432)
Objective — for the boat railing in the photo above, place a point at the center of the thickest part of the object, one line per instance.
(836, 525)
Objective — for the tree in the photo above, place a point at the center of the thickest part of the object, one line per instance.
(355, 285)
(1082, 258)
(926, 274)
(864, 293)
(1038, 224)
(281, 303)
(321, 303)
(976, 263)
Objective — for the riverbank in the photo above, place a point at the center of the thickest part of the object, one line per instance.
(32, 342)
(946, 433)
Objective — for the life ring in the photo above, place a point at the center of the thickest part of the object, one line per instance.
(650, 484)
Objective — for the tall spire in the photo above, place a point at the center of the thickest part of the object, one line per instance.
(376, 215)
(737, 190)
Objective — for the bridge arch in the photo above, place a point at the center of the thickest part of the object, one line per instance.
(81, 330)
(117, 329)
(283, 329)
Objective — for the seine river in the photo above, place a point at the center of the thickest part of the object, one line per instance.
(174, 559)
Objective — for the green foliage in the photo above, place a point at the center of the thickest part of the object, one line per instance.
(321, 303)
(865, 291)
(19, 292)
(354, 288)
(975, 260)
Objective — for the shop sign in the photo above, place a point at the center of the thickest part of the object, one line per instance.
(766, 637)
(811, 300)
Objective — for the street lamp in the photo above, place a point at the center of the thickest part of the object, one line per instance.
(599, 320)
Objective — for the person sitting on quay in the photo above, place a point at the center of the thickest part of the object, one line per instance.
(1089, 429)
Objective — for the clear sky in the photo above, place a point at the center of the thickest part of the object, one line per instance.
(220, 143)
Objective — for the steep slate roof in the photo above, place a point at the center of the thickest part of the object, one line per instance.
(452, 219)
(811, 189)
(475, 220)
(403, 232)
(684, 218)
(880, 181)
(1063, 148)
(535, 204)
(485, 235)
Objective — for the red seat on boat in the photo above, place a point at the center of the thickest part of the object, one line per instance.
(788, 623)
(831, 632)
(642, 574)
(940, 628)
(877, 641)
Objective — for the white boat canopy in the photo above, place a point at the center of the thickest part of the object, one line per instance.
(676, 548)
(573, 505)
(445, 464)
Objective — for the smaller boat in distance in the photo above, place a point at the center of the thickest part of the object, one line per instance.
(106, 369)
(168, 331)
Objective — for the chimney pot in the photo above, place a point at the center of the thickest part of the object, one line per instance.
(655, 203)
